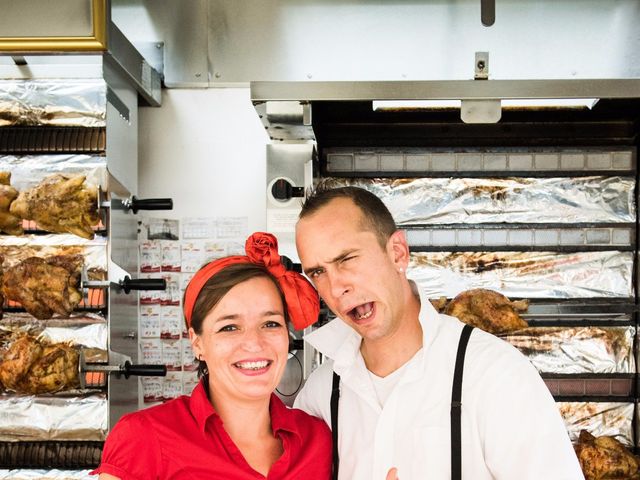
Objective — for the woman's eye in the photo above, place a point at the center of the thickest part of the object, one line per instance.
(228, 328)
(273, 324)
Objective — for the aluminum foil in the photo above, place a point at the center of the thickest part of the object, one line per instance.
(15, 249)
(32, 418)
(46, 475)
(415, 201)
(577, 349)
(68, 102)
(525, 274)
(29, 170)
(83, 329)
(599, 418)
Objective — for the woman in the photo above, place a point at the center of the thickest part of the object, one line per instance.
(232, 426)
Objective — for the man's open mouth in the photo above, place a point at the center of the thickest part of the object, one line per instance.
(361, 312)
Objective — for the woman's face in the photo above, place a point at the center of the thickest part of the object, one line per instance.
(245, 342)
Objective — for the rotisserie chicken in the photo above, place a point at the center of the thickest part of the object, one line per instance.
(9, 223)
(33, 367)
(44, 286)
(60, 204)
(605, 458)
(488, 310)
(17, 361)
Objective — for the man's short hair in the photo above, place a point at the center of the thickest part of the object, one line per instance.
(375, 216)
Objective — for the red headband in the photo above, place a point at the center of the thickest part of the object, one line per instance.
(262, 249)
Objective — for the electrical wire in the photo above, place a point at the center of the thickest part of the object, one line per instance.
(293, 354)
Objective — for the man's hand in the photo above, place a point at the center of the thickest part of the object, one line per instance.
(393, 474)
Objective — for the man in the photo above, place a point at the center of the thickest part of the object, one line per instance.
(395, 357)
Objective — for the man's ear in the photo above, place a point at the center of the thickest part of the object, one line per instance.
(398, 249)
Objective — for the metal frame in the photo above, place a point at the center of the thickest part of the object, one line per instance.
(97, 42)
(445, 90)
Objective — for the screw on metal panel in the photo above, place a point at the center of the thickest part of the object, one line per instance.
(198, 75)
(218, 74)
(309, 75)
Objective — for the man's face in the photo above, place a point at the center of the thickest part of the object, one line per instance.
(358, 279)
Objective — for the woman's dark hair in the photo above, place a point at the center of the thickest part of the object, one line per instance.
(375, 216)
(218, 286)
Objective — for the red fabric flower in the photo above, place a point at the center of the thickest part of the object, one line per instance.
(302, 300)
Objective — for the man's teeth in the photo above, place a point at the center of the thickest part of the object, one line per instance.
(363, 311)
(252, 365)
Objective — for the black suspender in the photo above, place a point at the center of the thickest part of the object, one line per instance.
(456, 411)
(456, 404)
(335, 397)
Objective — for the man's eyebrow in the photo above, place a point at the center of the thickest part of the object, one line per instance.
(336, 259)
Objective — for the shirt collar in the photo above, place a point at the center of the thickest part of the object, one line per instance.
(202, 410)
(341, 343)
(201, 407)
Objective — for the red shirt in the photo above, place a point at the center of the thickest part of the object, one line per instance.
(185, 439)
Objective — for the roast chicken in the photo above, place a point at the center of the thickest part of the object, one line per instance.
(605, 458)
(488, 310)
(44, 286)
(60, 204)
(9, 223)
(33, 367)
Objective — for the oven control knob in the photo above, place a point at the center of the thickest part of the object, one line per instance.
(283, 190)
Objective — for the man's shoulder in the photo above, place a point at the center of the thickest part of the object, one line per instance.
(482, 345)
(321, 376)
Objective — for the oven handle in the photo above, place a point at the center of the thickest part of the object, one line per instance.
(143, 370)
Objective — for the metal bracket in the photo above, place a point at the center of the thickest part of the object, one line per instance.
(306, 114)
(481, 67)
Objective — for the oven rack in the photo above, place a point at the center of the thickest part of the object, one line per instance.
(48, 139)
(586, 386)
(50, 454)
(560, 237)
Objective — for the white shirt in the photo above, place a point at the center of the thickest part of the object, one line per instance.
(383, 386)
(511, 427)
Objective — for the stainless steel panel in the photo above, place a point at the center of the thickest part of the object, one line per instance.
(306, 40)
(223, 42)
(443, 90)
(182, 26)
(122, 135)
(123, 310)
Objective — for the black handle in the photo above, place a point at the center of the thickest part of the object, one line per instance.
(144, 370)
(487, 12)
(290, 264)
(128, 284)
(135, 204)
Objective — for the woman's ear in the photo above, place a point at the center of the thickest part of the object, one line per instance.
(196, 343)
(398, 250)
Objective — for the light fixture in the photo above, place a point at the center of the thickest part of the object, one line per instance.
(389, 105)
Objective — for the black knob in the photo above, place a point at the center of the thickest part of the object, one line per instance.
(283, 190)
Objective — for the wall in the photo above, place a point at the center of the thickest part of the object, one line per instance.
(206, 149)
